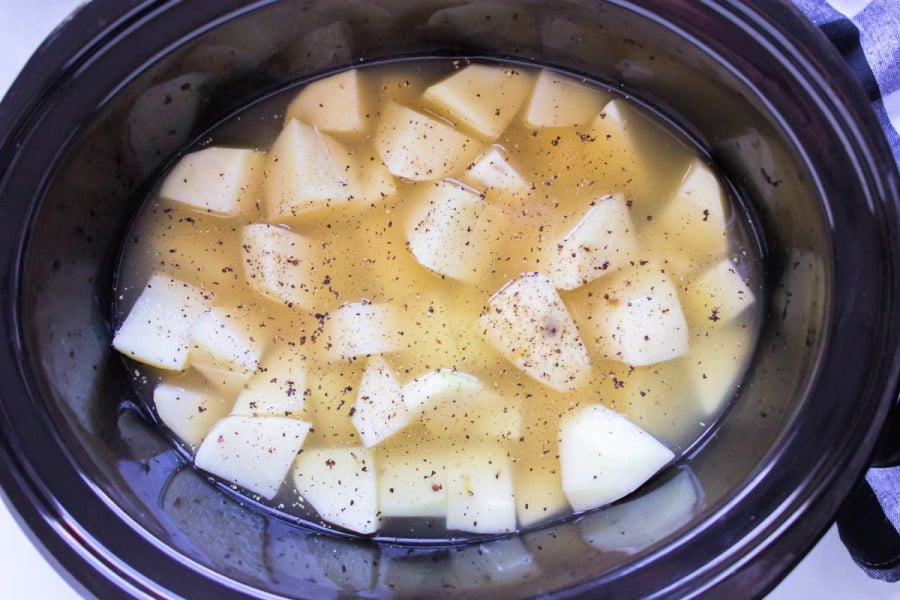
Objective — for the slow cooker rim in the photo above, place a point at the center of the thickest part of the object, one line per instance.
(74, 21)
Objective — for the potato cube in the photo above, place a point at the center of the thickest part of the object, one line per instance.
(638, 319)
(254, 453)
(277, 388)
(419, 147)
(412, 480)
(157, 331)
(493, 171)
(223, 339)
(485, 98)
(362, 328)
(713, 365)
(560, 101)
(529, 324)
(188, 412)
(379, 411)
(716, 297)
(340, 484)
(692, 223)
(330, 104)
(218, 181)
(480, 496)
(281, 265)
(454, 232)
(604, 456)
(456, 404)
(602, 242)
(308, 170)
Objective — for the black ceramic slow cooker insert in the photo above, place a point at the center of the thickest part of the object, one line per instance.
(117, 508)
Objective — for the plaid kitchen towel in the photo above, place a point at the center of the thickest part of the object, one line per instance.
(867, 34)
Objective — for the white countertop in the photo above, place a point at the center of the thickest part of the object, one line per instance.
(827, 573)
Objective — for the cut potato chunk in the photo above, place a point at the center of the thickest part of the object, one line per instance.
(412, 481)
(436, 387)
(493, 171)
(604, 456)
(692, 223)
(641, 522)
(455, 231)
(189, 413)
(361, 328)
(157, 331)
(308, 170)
(340, 484)
(379, 411)
(485, 98)
(560, 101)
(714, 363)
(252, 452)
(602, 242)
(716, 297)
(528, 323)
(537, 479)
(456, 404)
(281, 265)
(222, 339)
(218, 181)
(330, 104)
(278, 388)
(419, 147)
(638, 319)
(480, 496)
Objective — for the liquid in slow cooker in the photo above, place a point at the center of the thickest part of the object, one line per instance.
(435, 299)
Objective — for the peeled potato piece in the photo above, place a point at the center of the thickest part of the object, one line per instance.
(604, 456)
(379, 411)
(454, 232)
(252, 452)
(419, 147)
(189, 413)
(529, 324)
(560, 101)
(278, 388)
(692, 223)
(716, 296)
(480, 496)
(222, 340)
(455, 404)
(157, 331)
(494, 171)
(330, 104)
(714, 363)
(602, 242)
(280, 264)
(340, 484)
(218, 181)
(486, 98)
(308, 170)
(638, 318)
(361, 328)
(412, 480)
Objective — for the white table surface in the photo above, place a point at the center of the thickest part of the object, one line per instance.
(827, 573)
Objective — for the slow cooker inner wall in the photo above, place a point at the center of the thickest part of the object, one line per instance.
(113, 158)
